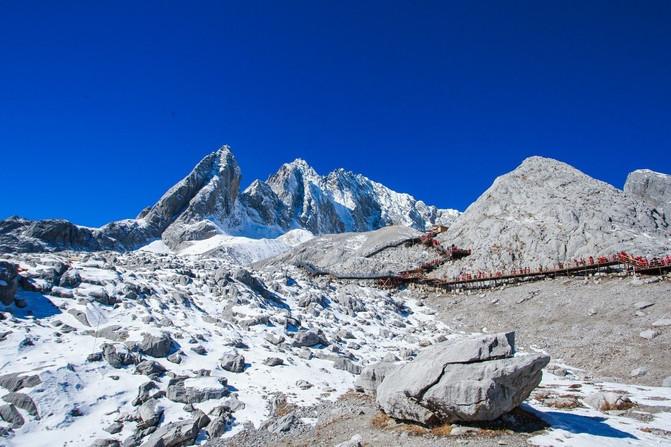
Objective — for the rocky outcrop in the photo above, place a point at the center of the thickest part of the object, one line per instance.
(204, 200)
(651, 187)
(22, 235)
(472, 379)
(8, 282)
(545, 212)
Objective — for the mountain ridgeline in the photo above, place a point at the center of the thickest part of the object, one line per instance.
(208, 201)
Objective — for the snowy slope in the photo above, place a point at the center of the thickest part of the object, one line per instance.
(204, 303)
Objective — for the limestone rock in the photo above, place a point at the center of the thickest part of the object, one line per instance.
(155, 346)
(233, 362)
(606, 401)
(472, 379)
(652, 187)
(23, 401)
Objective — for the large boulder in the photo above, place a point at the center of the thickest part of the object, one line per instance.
(175, 434)
(310, 337)
(180, 391)
(150, 413)
(23, 401)
(472, 379)
(155, 345)
(118, 355)
(233, 362)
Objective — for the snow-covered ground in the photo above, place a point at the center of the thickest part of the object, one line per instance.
(211, 307)
(237, 249)
(199, 303)
(589, 427)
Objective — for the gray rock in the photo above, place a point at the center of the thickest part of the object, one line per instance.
(106, 443)
(8, 282)
(114, 333)
(354, 441)
(150, 413)
(233, 362)
(373, 375)
(606, 401)
(11, 415)
(177, 391)
(346, 365)
(638, 372)
(274, 339)
(114, 428)
(273, 361)
(71, 279)
(22, 401)
(219, 423)
(156, 346)
(150, 368)
(304, 384)
(80, 316)
(17, 381)
(119, 356)
(471, 379)
(144, 392)
(174, 434)
(662, 322)
(652, 187)
(311, 337)
(102, 297)
(649, 334)
(175, 357)
(199, 349)
(667, 381)
(283, 424)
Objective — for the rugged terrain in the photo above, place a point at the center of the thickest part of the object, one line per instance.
(185, 326)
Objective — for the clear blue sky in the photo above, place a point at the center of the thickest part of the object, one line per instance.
(104, 105)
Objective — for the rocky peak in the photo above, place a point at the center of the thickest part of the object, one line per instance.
(651, 187)
(207, 202)
(546, 211)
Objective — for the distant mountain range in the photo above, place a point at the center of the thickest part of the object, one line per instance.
(208, 202)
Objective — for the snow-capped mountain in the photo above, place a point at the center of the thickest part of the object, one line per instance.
(341, 201)
(207, 202)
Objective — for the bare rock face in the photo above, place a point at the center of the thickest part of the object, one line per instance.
(22, 235)
(207, 194)
(545, 212)
(473, 379)
(652, 187)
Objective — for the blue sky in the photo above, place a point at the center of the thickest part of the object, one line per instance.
(104, 105)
